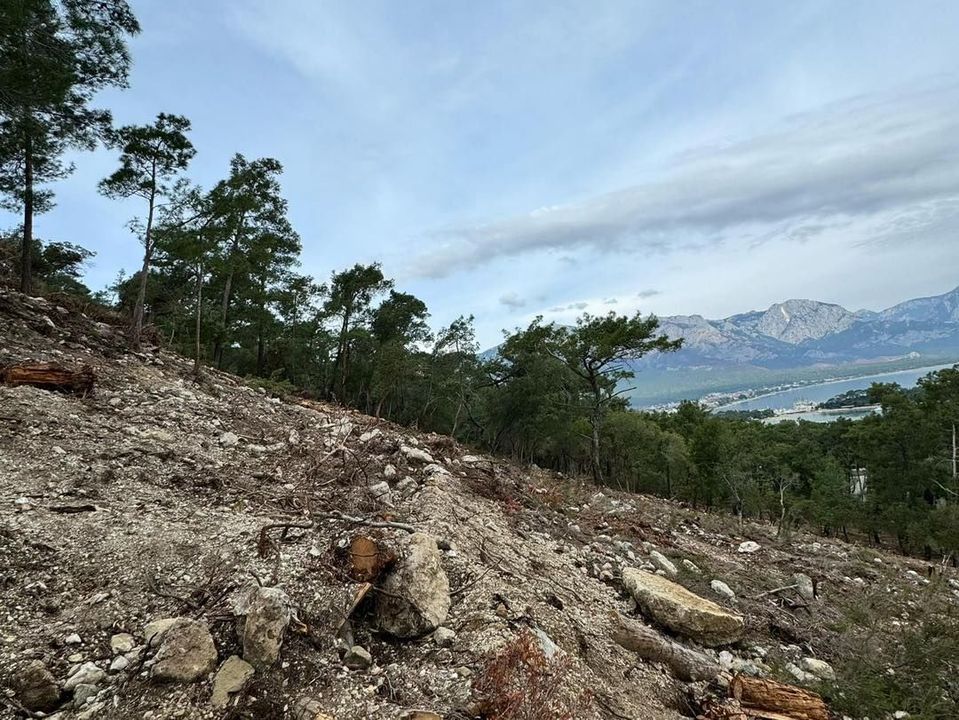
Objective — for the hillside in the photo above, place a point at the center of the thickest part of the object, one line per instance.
(158, 497)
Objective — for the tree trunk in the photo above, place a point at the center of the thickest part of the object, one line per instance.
(199, 314)
(144, 274)
(953, 452)
(26, 246)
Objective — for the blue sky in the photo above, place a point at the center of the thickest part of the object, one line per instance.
(509, 159)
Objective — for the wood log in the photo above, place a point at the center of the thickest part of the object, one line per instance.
(685, 664)
(367, 558)
(771, 700)
(49, 376)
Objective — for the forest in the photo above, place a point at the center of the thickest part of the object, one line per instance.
(220, 282)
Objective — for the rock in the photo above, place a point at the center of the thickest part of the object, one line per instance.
(444, 637)
(186, 653)
(73, 639)
(416, 594)
(406, 486)
(749, 547)
(369, 435)
(229, 439)
(799, 674)
(820, 668)
(413, 453)
(389, 471)
(82, 693)
(122, 643)
(37, 688)
(86, 674)
(678, 609)
(153, 632)
(691, 567)
(230, 678)
(804, 586)
(306, 708)
(663, 563)
(119, 664)
(381, 492)
(721, 588)
(265, 626)
(358, 658)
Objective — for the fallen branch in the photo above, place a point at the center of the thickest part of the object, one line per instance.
(340, 517)
(263, 543)
(775, 591)
(685, 664)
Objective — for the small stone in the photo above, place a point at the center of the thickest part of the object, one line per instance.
(122, 643)
(73, 639)
(444, 637)
(83, 693)
(265, 626)
(691, 567)
(119, 664)
(231, 677)
(358, 658)
(413, 453)
(820, 668)
(749, 547)
(804, 586)
(229, 439)
(663, 563)
(86, 674)
(389, 471)
(721, 588)
(381, 492)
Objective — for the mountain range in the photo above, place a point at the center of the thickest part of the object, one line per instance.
(797, 340)
(798, 333)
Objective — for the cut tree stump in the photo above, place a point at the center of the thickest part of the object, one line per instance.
(49, 376)
(367, 558)
(685, 664)
(771, 700)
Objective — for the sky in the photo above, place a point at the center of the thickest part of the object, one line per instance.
(513, 159)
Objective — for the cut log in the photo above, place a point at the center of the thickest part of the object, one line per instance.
(685, 664)
(771, 700)
(367, 558)
(49, 376)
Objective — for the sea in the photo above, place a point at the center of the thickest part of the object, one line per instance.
(820, 392)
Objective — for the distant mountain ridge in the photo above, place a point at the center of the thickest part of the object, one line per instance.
(802, 333)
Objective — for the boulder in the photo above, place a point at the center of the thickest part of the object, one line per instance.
(37, 688)
(265, 626)
(444, 637)
(683, 612)
(230, 678)
(83, 693)
(122, 643)
(749, 547)
(186, 653)
(820, 668)
(416, 593)
(153, 632)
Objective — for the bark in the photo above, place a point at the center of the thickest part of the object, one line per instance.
(49, 376)
(144, 275)
(26, 246)
(686, 664)
(771, 699)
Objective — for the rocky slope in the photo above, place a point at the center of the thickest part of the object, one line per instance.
(173, 548)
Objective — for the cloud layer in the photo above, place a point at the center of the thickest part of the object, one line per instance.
(845, 163)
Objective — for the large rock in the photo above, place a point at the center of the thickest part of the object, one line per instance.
(265, 626)
(186, 653)
(37, 688)
(416, 594)
(683, 612)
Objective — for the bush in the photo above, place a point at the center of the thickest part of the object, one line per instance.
(521, 683)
